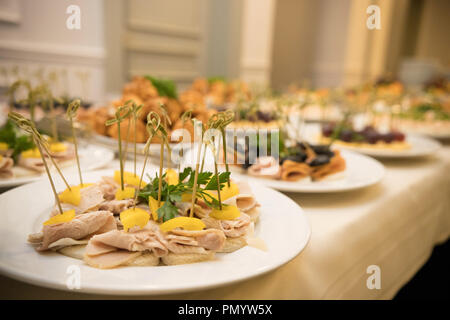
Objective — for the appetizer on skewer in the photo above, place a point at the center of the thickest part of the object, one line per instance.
(21, 148)
(173, 218)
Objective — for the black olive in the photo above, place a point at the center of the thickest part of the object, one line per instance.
(398, 136)
(327, 129)
(301, 157)
(264, 116)
(346, 135)
(372, 137)
(387, 137)
(246, 165)
(320, 149)
(321, 159)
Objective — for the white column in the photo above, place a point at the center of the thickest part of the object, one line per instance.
(256, 42)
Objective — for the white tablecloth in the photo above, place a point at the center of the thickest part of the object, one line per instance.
(393, 225)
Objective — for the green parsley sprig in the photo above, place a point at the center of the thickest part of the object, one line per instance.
(170, 194)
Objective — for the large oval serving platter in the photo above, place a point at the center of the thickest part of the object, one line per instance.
(283, 227)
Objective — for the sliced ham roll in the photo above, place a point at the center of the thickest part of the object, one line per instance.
(81, 227)
(294, 171)
(266, 167)
(148, 238)
(245, 200)
(201, 210)
(65, 155)
(6, 165)
(116, 206)
(91, 199)
(239, 227)
(144, 247)
(34, 164)
(336, 164)
(185, 241)
(113, 259)
(109, 188)
(6, 153)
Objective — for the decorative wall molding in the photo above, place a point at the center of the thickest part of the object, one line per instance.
(10, 11)
(164, 29)
(10, 17)
(51, 53)
(162, 49)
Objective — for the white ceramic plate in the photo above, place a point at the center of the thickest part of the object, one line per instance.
(420, 146)
(91, 158)
(361, 172)
(283, 226)
(429, 133)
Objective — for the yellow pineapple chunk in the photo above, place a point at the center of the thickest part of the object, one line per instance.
(66, 216)
(186, 223)
(31, 153)
(171, 177)
(72, 196)
(58, 147)
(128, 178)
(226, 192)
(126, 193)
(153, 204)
(227, 213)
(134, 217)
(4, 146)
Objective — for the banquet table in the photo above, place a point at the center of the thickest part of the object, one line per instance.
(393, 225)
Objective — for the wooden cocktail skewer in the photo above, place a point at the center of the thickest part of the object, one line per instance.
(31, 95)
(71, 113)
(166, 122)
(211, 144)
(127, 136)
(122, 113)
(29, 127)
(135, 109)
(227, 117)
(46, 95)
(152, 127)
(186, 116)
(197, 124)
(43, 145)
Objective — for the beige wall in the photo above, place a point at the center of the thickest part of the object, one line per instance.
(309, 42)
(33, 36)
(294, 36)
(257, 40)
(166, 38)
(433, 38)
(224, 38)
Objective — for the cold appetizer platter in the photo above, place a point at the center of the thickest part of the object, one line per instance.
(310, 169)
(20, 157)
(30, 167)
(370, 141)
(149, 231)
(428, 118)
